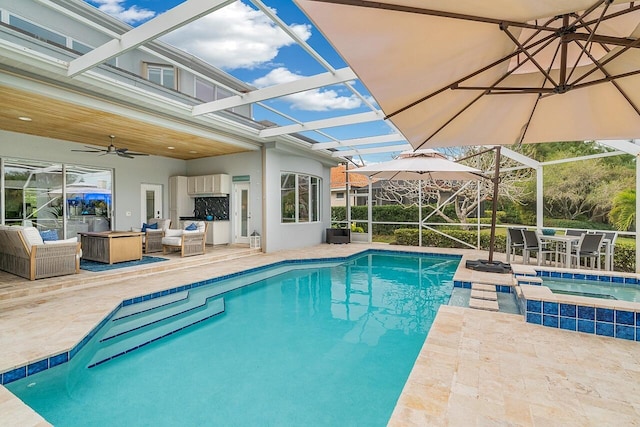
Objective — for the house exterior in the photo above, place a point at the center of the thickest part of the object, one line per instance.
(53, 126)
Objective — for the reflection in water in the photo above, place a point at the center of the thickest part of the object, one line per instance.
(374, 293)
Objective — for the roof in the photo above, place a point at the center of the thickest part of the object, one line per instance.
(339, 177)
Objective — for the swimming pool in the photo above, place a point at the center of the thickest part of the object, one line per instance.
(312, 346)
(593, 289)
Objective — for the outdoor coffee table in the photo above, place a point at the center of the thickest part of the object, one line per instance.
(111, 246)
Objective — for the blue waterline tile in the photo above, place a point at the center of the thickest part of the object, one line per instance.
(637, 319)
(579, 276)
(604, 329)
(587, 326)
(617, 279)
(604, 278)
(14, 375)
(625, 332)
(585, 312)
(556, 274)
(592, 277)
(567, 275)
(39, 366)
(604, 314)
(58, 359)
(631, 280)
(534, 306)
(624, 317)
(551, 321)
(534, 318)
(568, 310)
(568, 323)
(550, 308)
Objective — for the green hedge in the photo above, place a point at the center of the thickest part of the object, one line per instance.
(624, 256)
(409, 237)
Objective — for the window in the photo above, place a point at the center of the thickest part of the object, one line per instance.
(205, 91)
(37, 30)
(163, 75)
(339, 195)
(299, 198)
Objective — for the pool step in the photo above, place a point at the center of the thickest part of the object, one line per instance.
(152, 304)
(134, 334)
(483, 297)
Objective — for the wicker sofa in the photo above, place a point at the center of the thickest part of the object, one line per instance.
(23, 253)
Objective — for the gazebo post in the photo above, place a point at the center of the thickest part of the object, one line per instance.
(494, 210)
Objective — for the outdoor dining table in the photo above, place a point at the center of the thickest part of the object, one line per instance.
(569, 241)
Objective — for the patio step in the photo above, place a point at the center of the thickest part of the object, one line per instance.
(484, 295)
(481, 304)
(482, 287)
(138, 335)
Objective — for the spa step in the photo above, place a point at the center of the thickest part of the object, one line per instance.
(484, 295)
(133, 309)
(483, 287)
(481, 304)
(146, 334)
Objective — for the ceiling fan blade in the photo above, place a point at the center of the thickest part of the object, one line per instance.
(121, 154)
(88, 151)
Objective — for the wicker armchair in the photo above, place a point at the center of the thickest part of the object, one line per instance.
(188, 242)
(23, 253)
(152, 239)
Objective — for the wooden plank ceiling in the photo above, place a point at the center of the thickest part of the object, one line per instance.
(66, 121)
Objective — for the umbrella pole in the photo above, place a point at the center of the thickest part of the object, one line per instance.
(494, 210)
(420, 213)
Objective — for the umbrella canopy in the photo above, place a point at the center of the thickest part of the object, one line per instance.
(425, 164)
(451, 73)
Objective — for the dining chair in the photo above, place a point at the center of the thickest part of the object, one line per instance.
(588, 247)
(516, 241)
(532, 243)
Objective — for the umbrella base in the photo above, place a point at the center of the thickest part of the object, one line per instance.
(489, 267)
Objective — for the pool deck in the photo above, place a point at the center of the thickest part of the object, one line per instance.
(475, 369)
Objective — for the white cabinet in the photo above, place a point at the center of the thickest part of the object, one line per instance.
(217, 233)
(180, 204)
(208, 184)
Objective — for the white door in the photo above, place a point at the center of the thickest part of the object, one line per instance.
(241, 212)
(151, 198)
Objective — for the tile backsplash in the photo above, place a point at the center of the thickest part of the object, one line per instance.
(217, 207)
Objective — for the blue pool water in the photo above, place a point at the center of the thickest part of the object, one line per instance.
(593, 289)
(330, 346)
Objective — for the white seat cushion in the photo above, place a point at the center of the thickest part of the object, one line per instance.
(57, 242)
(172, 241)
(173, 233)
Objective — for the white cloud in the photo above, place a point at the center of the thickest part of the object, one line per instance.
(130, 15)
(235, 36)
(311, 100)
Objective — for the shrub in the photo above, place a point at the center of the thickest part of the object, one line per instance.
(624, 257)
(407, 236)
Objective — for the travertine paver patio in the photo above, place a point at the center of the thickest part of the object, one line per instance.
(476, 368)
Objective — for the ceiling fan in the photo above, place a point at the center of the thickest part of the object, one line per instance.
(111, 149)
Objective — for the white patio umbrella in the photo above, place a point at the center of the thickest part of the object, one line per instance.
(469, 72)
(420, 165)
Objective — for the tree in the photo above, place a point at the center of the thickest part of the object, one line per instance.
(623, 212)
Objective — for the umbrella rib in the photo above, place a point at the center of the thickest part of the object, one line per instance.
(528, 54)
(614, 82)
(453, 85)
(592, 33)
(636, 43)
(632, 8)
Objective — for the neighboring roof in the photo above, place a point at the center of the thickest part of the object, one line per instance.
(339, 177)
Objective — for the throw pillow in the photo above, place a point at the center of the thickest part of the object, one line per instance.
(191, 227)
(153, 226)
(144, 227)
(49, 235)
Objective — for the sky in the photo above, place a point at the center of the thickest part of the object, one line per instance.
(245, 43)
